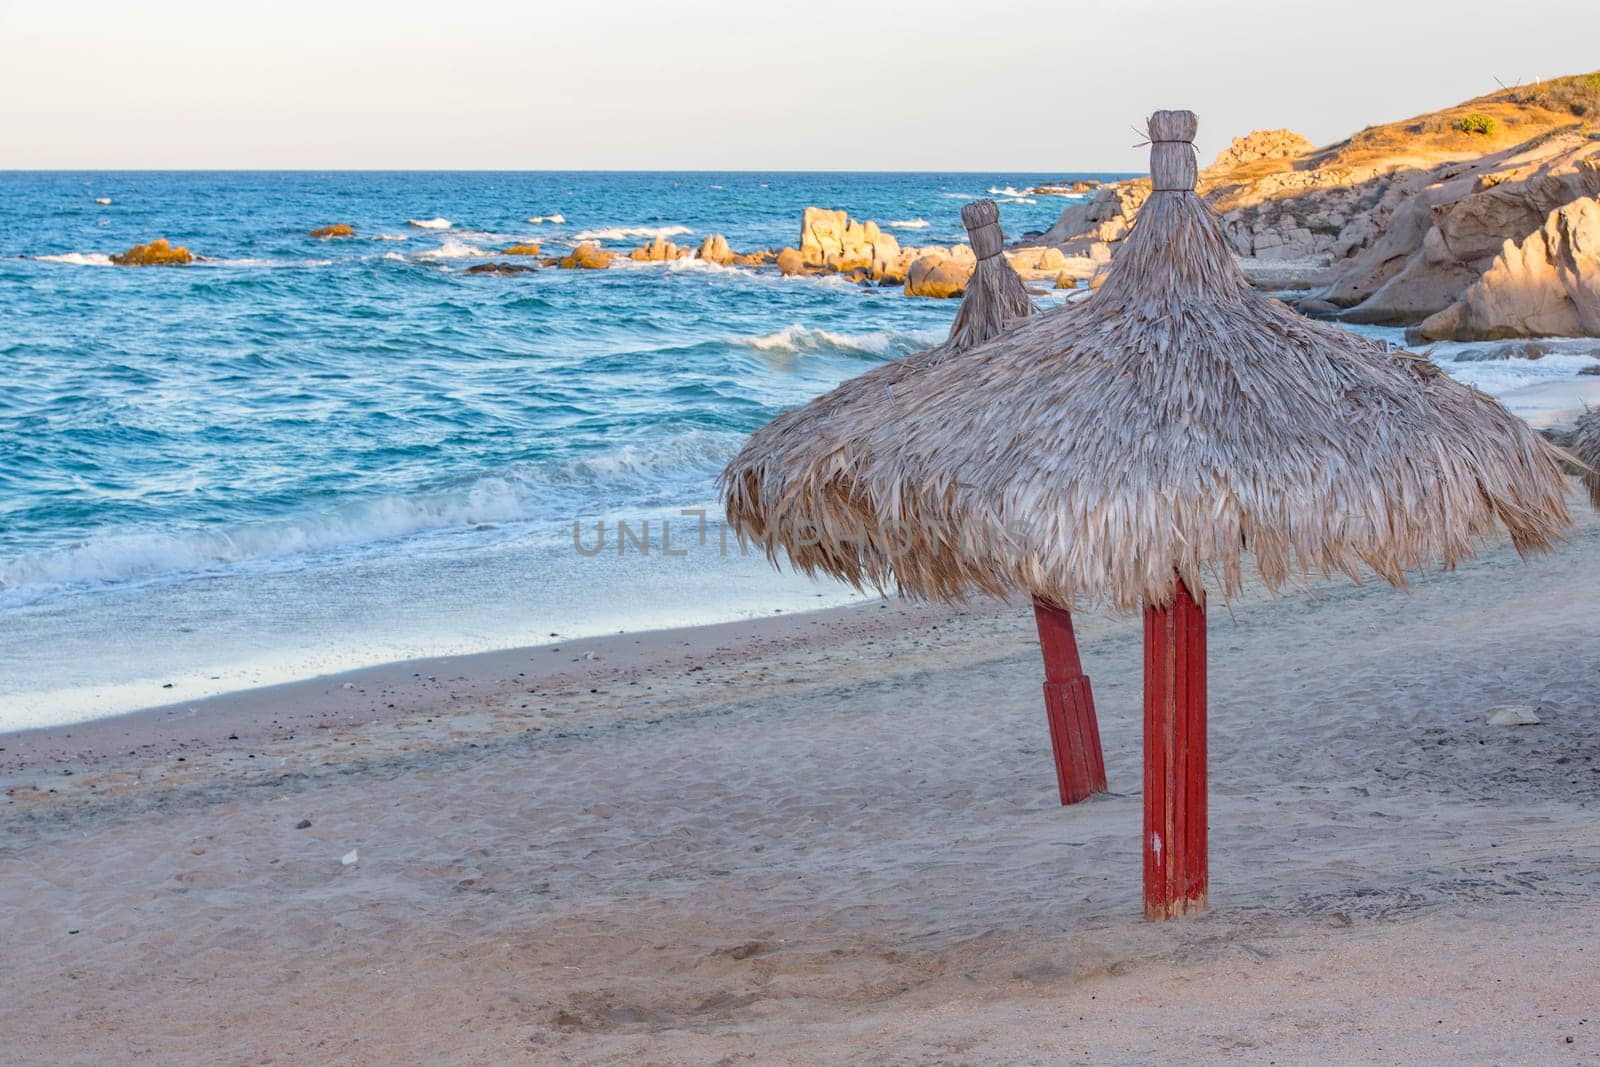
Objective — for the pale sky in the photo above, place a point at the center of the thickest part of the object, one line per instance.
(1020, 85)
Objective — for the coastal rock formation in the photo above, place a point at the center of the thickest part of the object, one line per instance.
(158, 253)
(1443, 235)
(1395, 223)
(1546, 285)
(338, 229)
(831, 240)
(587, 256)
(499, 268)
(657, 250)
(791, 262)
(520, 250)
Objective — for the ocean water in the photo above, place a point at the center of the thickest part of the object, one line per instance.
(300, 456)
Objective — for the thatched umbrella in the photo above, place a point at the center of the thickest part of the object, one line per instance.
(1131, 449)
(803, 462)
(1586, 444)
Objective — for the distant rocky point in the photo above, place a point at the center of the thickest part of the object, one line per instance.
(1466, 223)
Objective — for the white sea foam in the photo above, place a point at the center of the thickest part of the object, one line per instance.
(79, 259)
(797, 339)
(622, 233)
(1016, 200)
(550, 493)
(392, 237)
(102, 200)
(452, 248)
(553, 220)
(430, 224)
(1007, 191)
(959, 196)
(394, 256)
(909, 224)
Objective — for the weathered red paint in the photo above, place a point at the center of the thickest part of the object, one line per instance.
(1069, 707)
(1175, 868)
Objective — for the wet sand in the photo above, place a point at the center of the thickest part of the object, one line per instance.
(834, 838)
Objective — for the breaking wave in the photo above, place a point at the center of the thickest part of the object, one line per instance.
(622, 233)
(430, 224)
(884, 343)
(80, 259)
(909, 224)
(554, 220)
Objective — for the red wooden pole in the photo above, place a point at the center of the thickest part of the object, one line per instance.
(1069, 707)
(1175, 871)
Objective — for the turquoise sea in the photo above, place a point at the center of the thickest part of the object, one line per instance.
(303, 455)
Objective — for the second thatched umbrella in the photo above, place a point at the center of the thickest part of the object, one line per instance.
(1131, 450)
(804, 463)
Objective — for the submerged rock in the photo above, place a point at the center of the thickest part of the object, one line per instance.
(158, 253)
(338, 229)
(499, 268)
(587, 256)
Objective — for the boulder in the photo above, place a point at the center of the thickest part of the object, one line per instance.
(714, 249)
(338, 229)
(831, 240)
(1546, 285)
(938, 276)
(499, 268)
(1261, 144)
(586, 256)
(657, 250)
(791, 261)
(520, 250)
(753, 259)
(158, 253)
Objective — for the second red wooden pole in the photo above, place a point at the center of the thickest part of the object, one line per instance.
(1175, 867)
(1069, 707)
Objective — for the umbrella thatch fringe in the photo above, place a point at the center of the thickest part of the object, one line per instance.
(1586, 445)
(1170, 424)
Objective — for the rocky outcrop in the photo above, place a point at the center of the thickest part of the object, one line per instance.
(520, 250)
(1395, 223)
(1445, 229)
(1101, 220)
(587, 256)
(158, 253)
(657, 250)
(832, 241)
(1546, 285)
(338, 229)
(1261, 145)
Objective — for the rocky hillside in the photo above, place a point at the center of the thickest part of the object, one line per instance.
(1469, 222)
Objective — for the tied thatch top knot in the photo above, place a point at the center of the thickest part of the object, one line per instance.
(1172, 160)
(983, 228)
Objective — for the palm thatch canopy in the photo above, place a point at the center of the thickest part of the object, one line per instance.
(1163, 428)
(1586, 444)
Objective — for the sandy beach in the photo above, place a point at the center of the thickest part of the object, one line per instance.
(834, 838)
